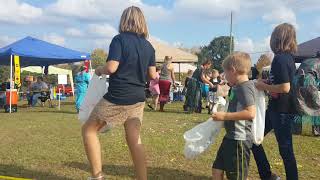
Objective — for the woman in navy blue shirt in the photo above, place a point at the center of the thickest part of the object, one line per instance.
(131, 59)
(280, 113)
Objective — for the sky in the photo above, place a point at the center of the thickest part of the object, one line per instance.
(88, 24)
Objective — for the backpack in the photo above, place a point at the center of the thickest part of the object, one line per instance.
(306, 86)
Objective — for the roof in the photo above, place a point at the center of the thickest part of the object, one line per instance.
(309, 48)
(178, 55)
(35, 52)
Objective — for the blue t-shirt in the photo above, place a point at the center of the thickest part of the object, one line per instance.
(135, 55)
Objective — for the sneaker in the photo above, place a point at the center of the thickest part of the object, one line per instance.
(274, 177)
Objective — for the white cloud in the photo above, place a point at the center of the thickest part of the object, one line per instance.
(245, 44)
(281, 15)
(74, 32)
(54, 38)
(101, 9)
(254, 48)
(13, 11)
(6, 40)
(102, 30)
(271, 11)
(206, 9)
(250, 46)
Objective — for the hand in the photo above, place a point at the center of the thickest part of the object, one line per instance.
(211, 85)
(98, 71)
(260, 85)
(219, 116)
(174, 85)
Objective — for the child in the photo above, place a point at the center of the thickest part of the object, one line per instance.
(281, 108)
(131, 57)
(215, 80)
(234, 153)
(155, 90)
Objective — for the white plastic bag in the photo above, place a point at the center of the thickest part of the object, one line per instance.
(258, 122)
(98, 87)
(199, 138)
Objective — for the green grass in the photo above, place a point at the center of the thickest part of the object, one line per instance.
(44, 143)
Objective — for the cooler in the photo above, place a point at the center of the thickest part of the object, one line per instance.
(14, 100)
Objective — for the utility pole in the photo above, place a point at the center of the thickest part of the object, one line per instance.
(231, 34)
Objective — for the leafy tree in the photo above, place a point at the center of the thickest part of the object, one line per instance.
(98, 58)
(217, 51)
(4, 73)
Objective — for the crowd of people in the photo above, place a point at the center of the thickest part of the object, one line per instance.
(131, 57)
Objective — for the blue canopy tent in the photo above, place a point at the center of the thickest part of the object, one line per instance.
(35, 52)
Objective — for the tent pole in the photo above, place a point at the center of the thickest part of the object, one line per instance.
(59, 98)
(179, 72)
(11, 70)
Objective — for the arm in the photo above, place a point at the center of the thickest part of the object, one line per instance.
(278, 88)
(172, 74)
(280, 69)
(247, 114)
(110, 67)
(152, 74)
(205, 80)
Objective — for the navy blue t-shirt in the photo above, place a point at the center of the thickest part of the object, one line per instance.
(135, 55)
(282, 71)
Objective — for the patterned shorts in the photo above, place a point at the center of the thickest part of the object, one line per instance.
(114, 114)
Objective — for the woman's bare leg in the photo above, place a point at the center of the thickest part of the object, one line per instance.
(156, 99)
(132, 128)
(92, 145)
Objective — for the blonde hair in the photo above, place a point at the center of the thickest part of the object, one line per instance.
(167, 59)
(132, 20)
(240, 61)
(215, 71)
(283, 39)
(263, 61)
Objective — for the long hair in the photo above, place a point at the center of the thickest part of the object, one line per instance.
(283, 39)
(132, 20)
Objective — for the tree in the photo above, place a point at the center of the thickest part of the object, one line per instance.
(4, 73)
(98, 58)
(217, 51)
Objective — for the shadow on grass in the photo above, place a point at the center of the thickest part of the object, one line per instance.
(153, 172)
(166, 110)
(19, 171)
(61, 112)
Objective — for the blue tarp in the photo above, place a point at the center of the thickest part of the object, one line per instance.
(35, 52)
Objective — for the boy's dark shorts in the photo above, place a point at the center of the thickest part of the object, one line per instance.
(233, 157)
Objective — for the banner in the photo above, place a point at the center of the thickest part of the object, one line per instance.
(17, 80)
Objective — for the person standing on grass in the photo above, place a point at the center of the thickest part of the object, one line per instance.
(82, 82)
(166, 79)
(233, 156)
(131, 58)
(155, 90)
(280, 113)
(193, 101)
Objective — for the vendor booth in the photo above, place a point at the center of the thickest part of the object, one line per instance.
(34, 52)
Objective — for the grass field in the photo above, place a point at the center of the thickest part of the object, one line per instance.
(44, 143)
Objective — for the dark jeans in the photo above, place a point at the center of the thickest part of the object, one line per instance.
(282, 125)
